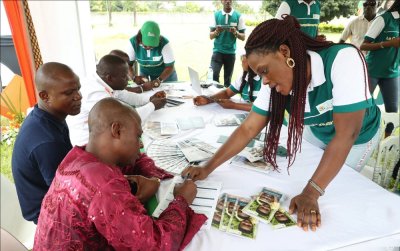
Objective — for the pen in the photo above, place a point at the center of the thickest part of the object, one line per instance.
(187, 177)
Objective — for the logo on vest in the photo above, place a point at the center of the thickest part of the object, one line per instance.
(151, 34)
(325, 106)
(316, 16)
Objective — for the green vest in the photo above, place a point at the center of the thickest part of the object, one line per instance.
(151, 63)
(308, 18)
(320, 99)
(245, 94)
(226, 41)
(384, 63)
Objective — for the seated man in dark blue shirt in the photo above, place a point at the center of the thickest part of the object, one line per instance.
(43, 140)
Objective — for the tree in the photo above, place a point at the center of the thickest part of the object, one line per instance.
(329, 8)
(243, 8)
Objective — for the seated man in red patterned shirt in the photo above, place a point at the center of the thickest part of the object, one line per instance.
(90, 206)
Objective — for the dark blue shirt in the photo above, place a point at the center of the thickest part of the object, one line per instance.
(41, 145)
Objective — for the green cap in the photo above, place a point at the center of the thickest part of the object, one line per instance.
(150, 34)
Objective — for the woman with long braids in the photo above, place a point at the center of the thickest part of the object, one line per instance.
(248, 85)
(324, 87)
(382, 40)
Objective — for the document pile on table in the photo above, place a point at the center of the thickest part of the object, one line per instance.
(175, 157)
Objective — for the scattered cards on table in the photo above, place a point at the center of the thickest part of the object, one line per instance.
(230, 119)
(196, 150)
(190, 123)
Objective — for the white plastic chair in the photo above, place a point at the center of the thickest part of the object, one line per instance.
(388, 156)
(11, 215)
(9, 242)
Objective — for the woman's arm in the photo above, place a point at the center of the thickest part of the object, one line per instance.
(229, 104)
(204, 100)
(368, 46)
(347, 127)
(252, 125)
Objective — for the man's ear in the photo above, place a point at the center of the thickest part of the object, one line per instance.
(285, 50)
(108, 78)
(116, 130)
(43, 95)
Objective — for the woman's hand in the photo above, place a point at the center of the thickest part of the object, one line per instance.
(394, 42)
(195, 173)
(140, 80)
(202, 100)
(306, 206)
(146, 187)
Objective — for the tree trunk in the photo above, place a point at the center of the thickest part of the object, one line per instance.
(134, 15)
(109, 13)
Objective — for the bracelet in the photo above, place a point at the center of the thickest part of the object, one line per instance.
(141, 88)
(381, 44)
(316, 187)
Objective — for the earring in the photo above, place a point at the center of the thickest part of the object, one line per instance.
(290, 62)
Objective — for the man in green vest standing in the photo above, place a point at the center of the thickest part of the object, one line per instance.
(307, 13)
(228, 25)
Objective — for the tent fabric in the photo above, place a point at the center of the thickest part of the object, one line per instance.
(16, 18)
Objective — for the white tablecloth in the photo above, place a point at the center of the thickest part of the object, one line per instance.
(356, 213)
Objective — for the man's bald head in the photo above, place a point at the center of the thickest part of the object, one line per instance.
(110, 110)
(50, 74)
(108, 64)
(120, 54)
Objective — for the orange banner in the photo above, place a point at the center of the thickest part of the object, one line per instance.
(16, 19)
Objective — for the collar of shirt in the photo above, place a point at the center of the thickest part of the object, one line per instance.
(317, 70)
(61, 125)
(395, 14)
(256, 77)
(302, 1)
(104, 84)
(230, 13)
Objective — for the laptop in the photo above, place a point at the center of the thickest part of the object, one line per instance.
(195, 80)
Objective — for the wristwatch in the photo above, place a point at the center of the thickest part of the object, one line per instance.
(158, 82)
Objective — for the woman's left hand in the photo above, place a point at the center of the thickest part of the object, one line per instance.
(308, 214)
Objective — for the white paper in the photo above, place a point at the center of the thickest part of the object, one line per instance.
(204, 203)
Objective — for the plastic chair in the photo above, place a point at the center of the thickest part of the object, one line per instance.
(9, 242)
(388, 155)
(11, 215)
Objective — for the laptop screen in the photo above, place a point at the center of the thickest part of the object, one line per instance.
(195, 80)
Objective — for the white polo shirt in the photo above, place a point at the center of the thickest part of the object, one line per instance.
(93, 90)
(343, 90)
(356, 30)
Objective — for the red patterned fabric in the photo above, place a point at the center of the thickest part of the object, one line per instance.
(89, 207)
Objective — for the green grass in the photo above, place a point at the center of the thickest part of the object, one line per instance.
(5, 161)
(5, 152)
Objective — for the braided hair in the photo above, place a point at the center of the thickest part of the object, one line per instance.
(267, 38)
(250, 74)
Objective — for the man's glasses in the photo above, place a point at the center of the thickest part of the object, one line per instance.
(365, 4)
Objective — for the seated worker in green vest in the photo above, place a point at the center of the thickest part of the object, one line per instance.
(324, 87)
(307, 13)
(247, 85)
(154, 54)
